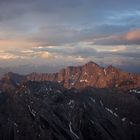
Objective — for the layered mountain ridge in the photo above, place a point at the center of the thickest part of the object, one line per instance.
(77, 103)
(90, 74)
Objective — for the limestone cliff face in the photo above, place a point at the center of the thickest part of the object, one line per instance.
(90, 74)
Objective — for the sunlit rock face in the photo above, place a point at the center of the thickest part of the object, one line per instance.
(77, 103)
(88, 75)
(91, 74)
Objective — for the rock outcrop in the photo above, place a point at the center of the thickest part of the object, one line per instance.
(91, 74)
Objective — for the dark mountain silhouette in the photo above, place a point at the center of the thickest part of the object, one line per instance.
(46, 110)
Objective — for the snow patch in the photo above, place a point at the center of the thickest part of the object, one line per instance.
(115, 114)
(15, 124)
(93, 100)
(132, 123)
(58, 91)
(71, 103)
(105, 71)
(134, 91)
(85, 73)
(70, 127)
(92, 121)
(116, 108)
(138, 92)
(32, 111)
(123, 119)
(72, 84)
(109, 110)
(84, 80)
(101, 103)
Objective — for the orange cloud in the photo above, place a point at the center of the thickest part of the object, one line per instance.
(129, 38)
(133, 35)
(15, 44)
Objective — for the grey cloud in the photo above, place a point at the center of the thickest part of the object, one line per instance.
(89, 51)
(128, 54)
(129, 38)
(83, 52)
(63, 22)
(61, 35)
(58, 35)
(59, 16)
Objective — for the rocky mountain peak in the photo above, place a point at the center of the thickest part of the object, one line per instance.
(91, 64)
(90, 74)
(112, 68)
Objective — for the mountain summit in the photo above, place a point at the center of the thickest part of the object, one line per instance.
(89, 74)
(41, 106)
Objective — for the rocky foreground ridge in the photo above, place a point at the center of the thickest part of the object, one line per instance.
(48, 111)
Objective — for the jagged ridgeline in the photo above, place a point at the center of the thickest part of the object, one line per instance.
(90, 74)
(70, 105)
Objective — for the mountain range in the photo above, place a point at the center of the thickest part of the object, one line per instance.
(90, 74)
(86, 102)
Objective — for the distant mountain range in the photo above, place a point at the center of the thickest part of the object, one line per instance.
(90, 74)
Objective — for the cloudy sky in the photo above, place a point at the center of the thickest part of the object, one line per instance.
(70, 32)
